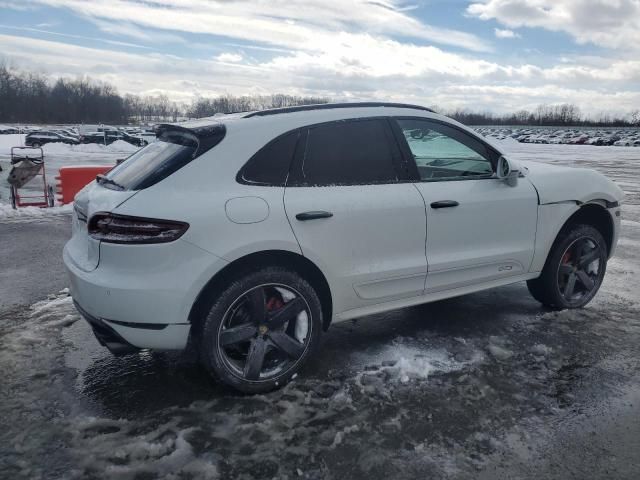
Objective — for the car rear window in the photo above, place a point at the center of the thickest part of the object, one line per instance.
(155, 162)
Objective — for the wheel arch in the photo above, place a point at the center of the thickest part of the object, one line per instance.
(593, 213)
(253, 261)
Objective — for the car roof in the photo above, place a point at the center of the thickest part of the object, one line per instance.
(270, 123)
(329, 106)
(346, 108)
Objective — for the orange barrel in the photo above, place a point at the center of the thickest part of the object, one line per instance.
(72, 179)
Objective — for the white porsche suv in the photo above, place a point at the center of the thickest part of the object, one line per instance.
(248, 235)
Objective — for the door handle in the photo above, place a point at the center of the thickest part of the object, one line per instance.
(444, 204)
(304, 216)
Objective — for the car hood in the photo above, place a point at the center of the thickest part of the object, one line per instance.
(556, 183)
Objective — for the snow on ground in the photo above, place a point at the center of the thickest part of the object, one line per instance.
(433, 402)
(618, 163)
(8, 214)
(17, 140)
(57, 155)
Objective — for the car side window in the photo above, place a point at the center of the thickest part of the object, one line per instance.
(442, 152)
(352, 152)
(270, 165)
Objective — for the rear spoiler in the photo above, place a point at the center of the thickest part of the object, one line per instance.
(208, 135)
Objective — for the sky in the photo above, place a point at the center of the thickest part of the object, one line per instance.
(480, 55)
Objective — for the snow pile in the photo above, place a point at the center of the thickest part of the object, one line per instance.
(11, 140)
(44, 317)
(26, 213)
(119, 146)
(118, 449)
(33, 373)
(403, 362)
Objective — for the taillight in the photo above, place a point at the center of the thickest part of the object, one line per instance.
(112, 228)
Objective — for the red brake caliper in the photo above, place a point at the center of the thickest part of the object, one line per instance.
(274, 303)
(566, 258)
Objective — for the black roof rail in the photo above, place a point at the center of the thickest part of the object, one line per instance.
(328, 106)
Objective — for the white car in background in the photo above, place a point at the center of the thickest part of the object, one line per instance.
(248, 235)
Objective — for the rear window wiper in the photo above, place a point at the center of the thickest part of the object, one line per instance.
(102, 180)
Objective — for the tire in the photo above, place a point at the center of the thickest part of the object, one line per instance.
(35, 145)
(571, 277)
(248, 340)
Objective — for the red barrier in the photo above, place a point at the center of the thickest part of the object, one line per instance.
(72, 179)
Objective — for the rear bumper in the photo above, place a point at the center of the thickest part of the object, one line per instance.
(141, 296)
(106, 335)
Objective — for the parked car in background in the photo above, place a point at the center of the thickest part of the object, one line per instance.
(308, 216)
(93, 137)
(5, 130)
(67, 132)
(42, 137)
(132, 139)
(110, 136)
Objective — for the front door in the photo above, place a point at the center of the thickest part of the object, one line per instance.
(479, 228)
(354, 216)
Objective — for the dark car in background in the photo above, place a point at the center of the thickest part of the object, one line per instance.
(37, 139)
(110, 136)
(67, 132)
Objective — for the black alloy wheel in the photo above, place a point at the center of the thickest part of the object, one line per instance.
(578, 270)
(574, 269)
(264, 332)
(261, 329)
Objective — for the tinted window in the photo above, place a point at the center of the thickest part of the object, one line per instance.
(270, 166)
(348, 153)
(442, 152)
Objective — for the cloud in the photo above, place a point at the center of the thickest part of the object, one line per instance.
(343, 49)
(372, 69)
(229, 58)
(127, 29)
(283, 23)
(78, 37)
(505, 33)
(608, 23)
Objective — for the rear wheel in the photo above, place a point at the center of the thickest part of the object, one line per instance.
(261, 330)
(574, 269)
(36, 145)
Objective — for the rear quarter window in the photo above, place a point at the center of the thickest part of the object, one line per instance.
(270, 165)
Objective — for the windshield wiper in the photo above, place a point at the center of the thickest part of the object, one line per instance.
(102, 180)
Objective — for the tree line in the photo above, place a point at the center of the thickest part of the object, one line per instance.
(565, 114)
(27, 97)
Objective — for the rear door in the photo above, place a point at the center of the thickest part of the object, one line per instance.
(479, 228)
(354, 215)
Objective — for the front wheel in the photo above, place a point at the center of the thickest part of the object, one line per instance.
(574, 269)
(261, 330)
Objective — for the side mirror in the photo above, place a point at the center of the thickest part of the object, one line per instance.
(506, 172)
